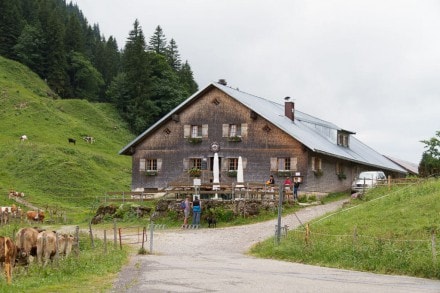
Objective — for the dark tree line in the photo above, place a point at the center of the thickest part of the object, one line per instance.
(144, 80)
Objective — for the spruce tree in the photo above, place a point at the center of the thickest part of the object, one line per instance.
(158, 42)
(173, 55)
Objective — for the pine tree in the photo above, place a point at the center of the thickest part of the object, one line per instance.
(173, 55)
(158, 42)
(187, 79)
(10, 27)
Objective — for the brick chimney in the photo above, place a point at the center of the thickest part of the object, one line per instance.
(289, 109)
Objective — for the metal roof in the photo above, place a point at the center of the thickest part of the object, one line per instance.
(304, 128)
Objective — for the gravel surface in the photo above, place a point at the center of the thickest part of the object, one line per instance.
(214, 260)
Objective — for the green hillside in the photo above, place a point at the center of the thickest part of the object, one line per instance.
(391, 232)
(48, 169)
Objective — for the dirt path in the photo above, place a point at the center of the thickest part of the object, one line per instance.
(214, 260)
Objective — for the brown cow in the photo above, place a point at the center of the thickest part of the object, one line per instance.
(26, 242)
(35, 216)
(46, 246)
(8, 254)
(65, 244)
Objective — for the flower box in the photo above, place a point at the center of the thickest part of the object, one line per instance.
(194, 140)
(151, 173)
(194, 172)
(232, 173)
(234, 138)
(284, 173)
(318, 173)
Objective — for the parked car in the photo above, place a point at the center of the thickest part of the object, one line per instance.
(367, 179)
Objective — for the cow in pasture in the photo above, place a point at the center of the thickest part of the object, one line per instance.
(23, 137)
(46, 246)
(35, 216)
(65, 244)
(89, 139)
(26, 242)
(8, 254)
(71, 140)
(4, 214)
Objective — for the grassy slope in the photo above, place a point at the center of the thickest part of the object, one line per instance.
(46, 168)
(393, 234)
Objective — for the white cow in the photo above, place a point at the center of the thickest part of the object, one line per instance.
(23, 137)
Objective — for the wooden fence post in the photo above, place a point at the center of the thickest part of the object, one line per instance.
(120, 238)
(76, 241)
(105, 241)
(307, 233)
(115, 241)
(91, 235)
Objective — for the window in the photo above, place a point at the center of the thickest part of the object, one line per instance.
(195, 163)
(196, 131)
(235, 130)
(151, 165)
(233, 164)
(339, 168)
(343, 139)
(316, 164)
(283, 163)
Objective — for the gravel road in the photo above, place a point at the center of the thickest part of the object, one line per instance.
(215, 260)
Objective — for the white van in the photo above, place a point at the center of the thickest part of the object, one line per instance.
(367, 179)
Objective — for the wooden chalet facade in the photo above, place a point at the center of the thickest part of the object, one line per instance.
(271, 138)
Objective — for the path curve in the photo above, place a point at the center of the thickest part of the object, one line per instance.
(214, 260)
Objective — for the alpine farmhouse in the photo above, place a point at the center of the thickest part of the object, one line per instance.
(271, 139)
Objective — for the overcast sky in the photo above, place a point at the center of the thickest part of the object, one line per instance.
(372, 67)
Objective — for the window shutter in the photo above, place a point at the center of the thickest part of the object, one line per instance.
(244, 161)
(185, 163)
(225, 165)
(293, 163)
(186, 131)
(273, 164)
(244, 129)
(205, 130)
(159, 164)
(142, 165)
(225, 132)
(313, 163)
(319, 164)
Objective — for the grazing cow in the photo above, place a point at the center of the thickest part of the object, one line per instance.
(46, 246)
(72, 140)
(65, 244)
(26, 242)
(23, 137)
(89, 139)
(35, 216)
(8, 254)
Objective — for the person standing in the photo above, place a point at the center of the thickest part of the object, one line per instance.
(287, 187)
(186, 212)
(197, 210)
(295, 190)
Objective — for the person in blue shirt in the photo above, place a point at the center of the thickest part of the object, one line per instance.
(197, 210)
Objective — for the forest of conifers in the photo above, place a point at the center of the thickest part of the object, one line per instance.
(144, 80)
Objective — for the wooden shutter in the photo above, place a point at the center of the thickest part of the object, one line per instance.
(244, 130)
(185, 164)
(273, 164)
(293, 164)
(225, 164)
(244, 160)
(142, 165)
(225, 132)
(205, 130)
(159, 164)
(319, 164)
(186, 131)
(313, 163)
